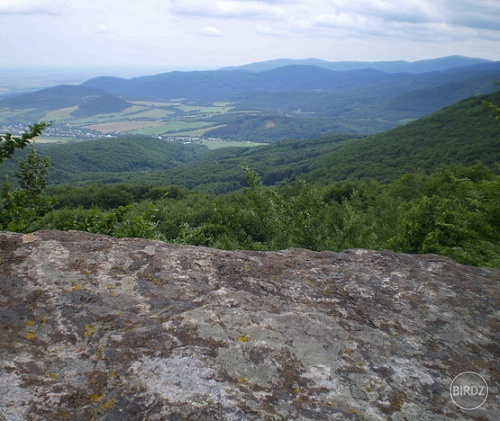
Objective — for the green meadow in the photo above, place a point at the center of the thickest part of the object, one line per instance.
(148, 118)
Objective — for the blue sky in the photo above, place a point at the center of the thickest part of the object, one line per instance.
(213, 33)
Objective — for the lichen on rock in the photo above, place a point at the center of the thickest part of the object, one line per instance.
(93, 327)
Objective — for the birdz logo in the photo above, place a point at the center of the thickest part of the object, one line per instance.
(469, 390)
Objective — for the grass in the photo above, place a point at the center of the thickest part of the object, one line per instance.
(174, 127)
(203, 110)
(154, 104)
(125, 126)
(61, 114)
(53, 139)
(7, 113)
(153, 113)
(218, 144)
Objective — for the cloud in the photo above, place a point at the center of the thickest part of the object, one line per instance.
(270, 30)
(481, 14)
(102, 29)
(227, 9)
(210, 31)
(31, 7)
(402, 11)
(387, 18)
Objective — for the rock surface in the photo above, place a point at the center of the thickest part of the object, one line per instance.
(93, 327)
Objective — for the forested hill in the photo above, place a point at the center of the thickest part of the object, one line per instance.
(239, 86)
(298, 101)
(464, 133)
(110, 160)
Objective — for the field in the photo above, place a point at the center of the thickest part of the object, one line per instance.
(123, 126)
(218, 144)
(173, 119)
(53, 139)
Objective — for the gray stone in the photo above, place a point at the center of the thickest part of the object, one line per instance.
(93, 327)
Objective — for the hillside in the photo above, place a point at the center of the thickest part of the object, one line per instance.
(87, 101)
(110, 160)
(240, 86)
(460, 134)
(464, 133)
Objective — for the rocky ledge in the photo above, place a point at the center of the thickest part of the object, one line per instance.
(93, 327)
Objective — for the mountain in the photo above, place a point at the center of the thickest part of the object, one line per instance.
(239, 86)
(208, 86)
(421, 66)
(291, 101)
(464, 133)
(361, 101)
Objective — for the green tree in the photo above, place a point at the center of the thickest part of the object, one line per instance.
(493, 107)
(21, 206)
(9, 144)
(458, 218)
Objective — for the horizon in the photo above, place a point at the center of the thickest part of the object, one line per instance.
(14, 80)
(136, 68)
(203, 34)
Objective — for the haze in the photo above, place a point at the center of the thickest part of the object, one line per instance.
(187, 34)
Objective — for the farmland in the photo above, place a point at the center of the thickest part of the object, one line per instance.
(162, 119)
(173, 120)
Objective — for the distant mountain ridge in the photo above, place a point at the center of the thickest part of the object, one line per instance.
(420, 66)
(289, 101)
(240, 85)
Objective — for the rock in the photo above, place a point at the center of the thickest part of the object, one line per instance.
(93, 327)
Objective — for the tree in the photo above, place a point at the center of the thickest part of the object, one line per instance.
(9, 143)
(21, 206)
(493, 107)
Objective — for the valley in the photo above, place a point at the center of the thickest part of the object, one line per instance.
(266, 103)
(169, 120)
(297, 156)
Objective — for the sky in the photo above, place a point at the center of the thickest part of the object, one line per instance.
(188, 34)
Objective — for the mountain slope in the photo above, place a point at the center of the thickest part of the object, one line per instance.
(293, 101)
(460, 134)
(464, 133)
(109, 159)
(240, 85)
(90, 101)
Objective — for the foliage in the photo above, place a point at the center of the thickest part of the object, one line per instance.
(454, 212)
(9, 144)
(461, 134)
(21, 206)
(494, 107)
(458, 217)
(295, 193)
